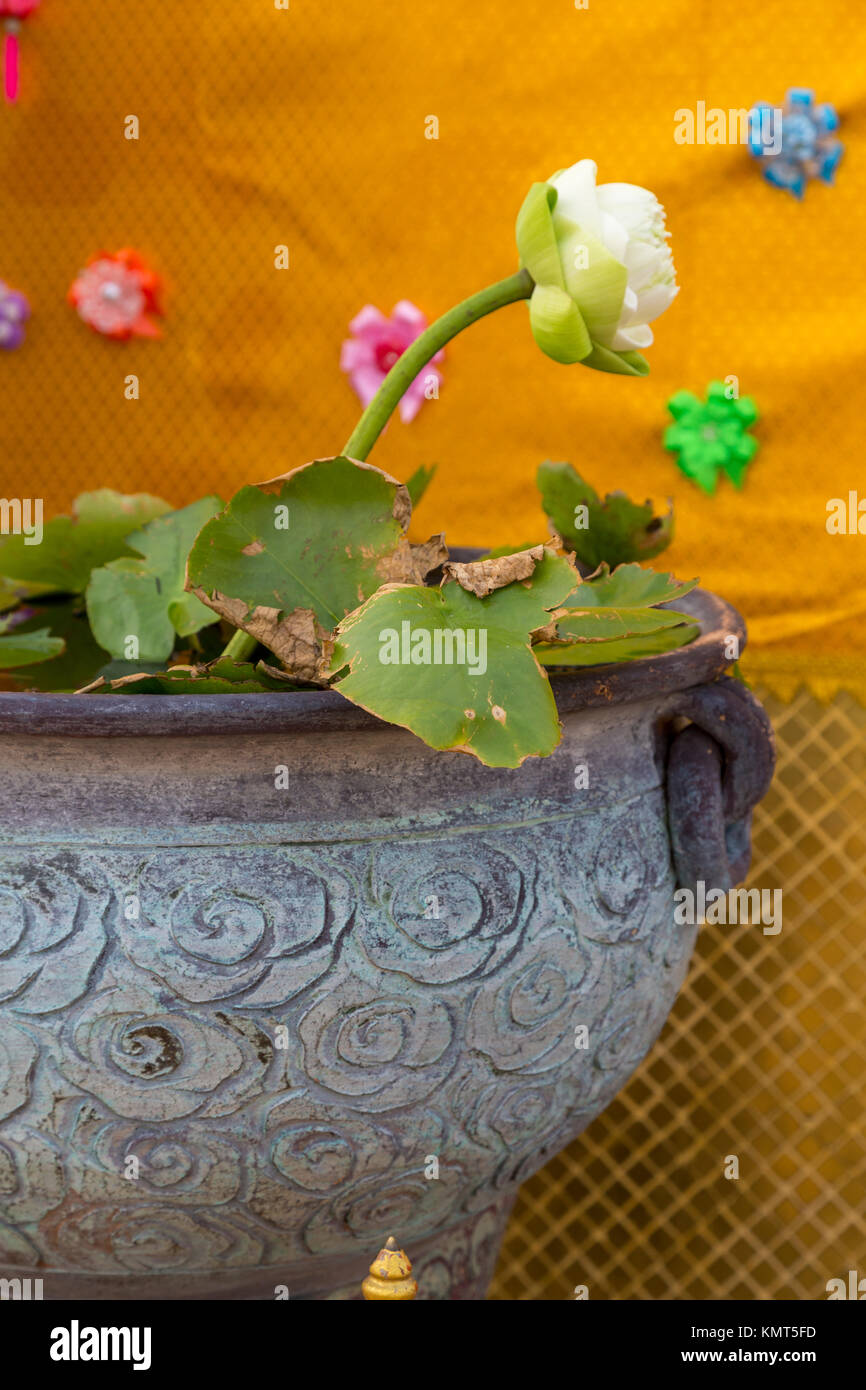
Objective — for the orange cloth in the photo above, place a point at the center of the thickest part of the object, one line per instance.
(306, 127)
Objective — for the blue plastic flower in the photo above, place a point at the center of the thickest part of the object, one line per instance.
(797, 143)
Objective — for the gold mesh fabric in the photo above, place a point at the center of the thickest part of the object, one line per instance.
(763, 1057)
(306, 127)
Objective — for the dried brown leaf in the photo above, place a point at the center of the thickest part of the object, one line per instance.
(482, 577)
(297, 639)
(410, 564)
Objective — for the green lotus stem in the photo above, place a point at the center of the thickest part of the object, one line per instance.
(419, 353)
(240, 646)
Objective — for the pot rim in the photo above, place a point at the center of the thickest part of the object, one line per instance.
(96, 716)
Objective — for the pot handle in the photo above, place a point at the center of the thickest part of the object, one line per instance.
(718, 768)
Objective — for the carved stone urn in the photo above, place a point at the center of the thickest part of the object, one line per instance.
(277, 981)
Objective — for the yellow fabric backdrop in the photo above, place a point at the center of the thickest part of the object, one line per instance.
(306, 126)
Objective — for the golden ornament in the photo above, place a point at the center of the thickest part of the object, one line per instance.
(390, 1275)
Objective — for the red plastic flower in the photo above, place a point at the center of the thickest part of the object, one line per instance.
(17, 9)
(115, 293)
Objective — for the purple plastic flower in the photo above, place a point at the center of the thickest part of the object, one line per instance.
(14, 313)
(375, 346)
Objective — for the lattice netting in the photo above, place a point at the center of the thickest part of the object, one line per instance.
(764, 1057)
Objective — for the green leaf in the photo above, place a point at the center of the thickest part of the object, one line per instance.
(220, 677)
(614, 530)
(124, 602)
(288, 559)
(603, 624)
(19, 648)
(15, 591)
(73, 546)
(77, 665)
(145, 598)
(628, 586)
(612, 617)
(498, 551)
(419, 483)
(491, 699)
(621, 649)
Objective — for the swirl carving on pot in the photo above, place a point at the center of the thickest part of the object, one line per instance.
(150, 1237)
(382, 1051)
(501, 1112)
(18, 1055)
(32, 1179)
(525, 1021)
(405, 1201)
(256, 926)
(183, 1163)
(149, 1063)
(453, 907)
(633, 1019)
(17, 1249)
(51, 931)
(312, 1151)
(628, 881)
(462, 1262)
(520, 1121)
(316, 1148)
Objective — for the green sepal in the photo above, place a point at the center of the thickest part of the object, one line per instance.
(557, 325)
(603, 359)
(536, 239)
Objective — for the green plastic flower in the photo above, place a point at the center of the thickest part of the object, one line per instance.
(712, 435)
(602, 268)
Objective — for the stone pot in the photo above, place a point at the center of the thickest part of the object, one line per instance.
(269, 965)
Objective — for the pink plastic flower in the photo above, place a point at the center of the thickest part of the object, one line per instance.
(375, 346)
(11, 13)
(114, 295)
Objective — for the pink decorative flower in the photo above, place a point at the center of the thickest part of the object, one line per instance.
(11, 14)
(114, 295)
(375, 346)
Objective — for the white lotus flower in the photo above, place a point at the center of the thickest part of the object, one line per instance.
(602, 267)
